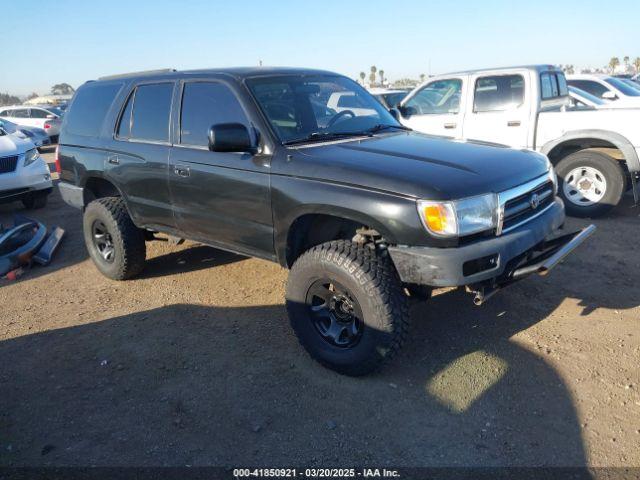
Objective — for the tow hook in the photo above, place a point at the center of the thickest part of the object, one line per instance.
(483, 294)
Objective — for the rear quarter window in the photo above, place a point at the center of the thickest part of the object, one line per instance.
(89, 107)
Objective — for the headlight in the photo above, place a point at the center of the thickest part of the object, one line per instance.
(459, 217)
(31, 156)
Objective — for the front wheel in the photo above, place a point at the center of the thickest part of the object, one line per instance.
(591, 183)
(347, 307)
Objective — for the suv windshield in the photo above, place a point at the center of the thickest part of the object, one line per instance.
(623, 87)
(307, 107)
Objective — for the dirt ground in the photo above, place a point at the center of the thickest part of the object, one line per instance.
(194, 363)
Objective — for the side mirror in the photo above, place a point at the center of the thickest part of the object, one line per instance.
(609, 95)
(395, 113)
(230, 137)
(407, 111)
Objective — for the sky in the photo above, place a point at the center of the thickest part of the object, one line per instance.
(74, 41)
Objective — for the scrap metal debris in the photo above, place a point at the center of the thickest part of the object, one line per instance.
(25, 242)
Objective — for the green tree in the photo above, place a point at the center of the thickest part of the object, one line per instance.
(6, 99)
(32, 95)
(626, 63)
(568, 69)
(422, 77)
(613, 64)
(636, 64)
(62, 89)
(381, 73)
(363, 76)
(372, 75)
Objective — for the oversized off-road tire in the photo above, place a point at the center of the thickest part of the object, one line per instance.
(35, 200)
(590, 182)
(115, 244)
(346, 305)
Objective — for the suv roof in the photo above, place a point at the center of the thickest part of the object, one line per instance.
(238, 72)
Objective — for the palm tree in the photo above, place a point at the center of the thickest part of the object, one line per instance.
(362, 77)
(381, 73)
(372, 75)
(422, 77)
(613, 64)
(636, 64)
(626, 63)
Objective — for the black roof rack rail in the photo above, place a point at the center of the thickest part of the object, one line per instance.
(136, 74)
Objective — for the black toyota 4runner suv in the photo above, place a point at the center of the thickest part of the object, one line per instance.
(305, 168)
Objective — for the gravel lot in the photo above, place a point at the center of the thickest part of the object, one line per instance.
(194, 363)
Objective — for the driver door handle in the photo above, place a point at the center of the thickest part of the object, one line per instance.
(450, 125)
(513, 123)
(181, 171)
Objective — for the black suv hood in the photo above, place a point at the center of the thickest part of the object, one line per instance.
(418, 165)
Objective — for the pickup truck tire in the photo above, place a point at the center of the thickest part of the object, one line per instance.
(35, 200)
(115, 244)
(347, 306)
(603, 174)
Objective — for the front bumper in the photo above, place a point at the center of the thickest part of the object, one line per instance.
(25, 179)
(490, 261)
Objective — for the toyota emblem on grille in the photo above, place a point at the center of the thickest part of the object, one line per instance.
(534, 201)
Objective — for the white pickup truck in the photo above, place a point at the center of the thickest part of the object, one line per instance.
(595, 151)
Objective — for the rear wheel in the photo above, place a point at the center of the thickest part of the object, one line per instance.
(115, 244)
(347, 306)
(591, 183)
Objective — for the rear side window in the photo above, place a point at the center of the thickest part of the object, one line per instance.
(150, 115)
(498, 93)
(19, 113)
(553, 85)
(37, 113)
(89, 107)
(205, 104)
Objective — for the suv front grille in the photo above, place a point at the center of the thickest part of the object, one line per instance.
(521, 204)
(8, 164)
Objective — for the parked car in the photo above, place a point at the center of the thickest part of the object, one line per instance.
(579, 99)
(606, 87)
(37, 136)
(362, 211)
(595, 153)
(46, 118)
(24, 175)
(390, 98)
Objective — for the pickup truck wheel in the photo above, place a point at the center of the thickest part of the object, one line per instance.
(347, 306)
(591, 183)
(35, 200)
(115, 244)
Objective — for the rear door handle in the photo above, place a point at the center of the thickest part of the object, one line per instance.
(181, 171)
(513, 123)
(113, 160)
(450, 125)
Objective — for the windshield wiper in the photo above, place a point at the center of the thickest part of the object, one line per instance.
(383, 126)
(319, 136)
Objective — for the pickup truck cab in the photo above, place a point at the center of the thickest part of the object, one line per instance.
(364, 212)
(595, 152)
